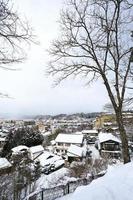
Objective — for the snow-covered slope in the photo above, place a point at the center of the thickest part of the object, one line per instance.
(117, 184)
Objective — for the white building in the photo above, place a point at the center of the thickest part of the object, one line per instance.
(63, 142)
(19, 149)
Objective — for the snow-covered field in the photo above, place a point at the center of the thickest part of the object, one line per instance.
(117, 184)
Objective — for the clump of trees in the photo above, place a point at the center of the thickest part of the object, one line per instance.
(22, 136)
(52, 136)
(95, 43)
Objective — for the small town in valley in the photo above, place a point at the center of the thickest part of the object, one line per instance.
(48, 152)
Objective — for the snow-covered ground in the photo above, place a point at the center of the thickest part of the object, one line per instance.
(117, 184)
(56, 178)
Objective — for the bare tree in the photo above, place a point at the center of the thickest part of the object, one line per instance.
(13, 31)
(95, 43)
(108, 108)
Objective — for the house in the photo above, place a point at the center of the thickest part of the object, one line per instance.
(63, 142)
(109, 145)
(90, 135)
(35, 151)
(75, 153)
(49, 161)
(5, 166)
(3, 134)
(19, 149)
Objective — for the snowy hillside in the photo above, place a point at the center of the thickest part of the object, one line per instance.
(117, 184)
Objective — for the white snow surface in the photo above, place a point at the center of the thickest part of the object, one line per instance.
(103, 137)
(70, 138)
(45, 155)
(36, 149)
(3, 139)
(58, 177)
(76, 151)
(93, 131)
(49, 158)
(117, 184)
(19, 148)
(4, 163)
(95, 153)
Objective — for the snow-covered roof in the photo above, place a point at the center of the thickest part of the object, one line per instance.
(46, 133)
(4, 163)
(114, 128)
(108, 123)
(116, 184)
(3, 134)
(44, 156)
(70, 138)
(74, 150)
(103, 137)
(5, 130)
(93, 131)
(3, 139)
(36, 149)
(78, 132)
(19, 148)
(58, 163)
(48, 158)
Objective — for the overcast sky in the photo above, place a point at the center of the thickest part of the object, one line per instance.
(31, 90)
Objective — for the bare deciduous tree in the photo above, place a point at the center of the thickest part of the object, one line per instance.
(95, 43)
(13, 31)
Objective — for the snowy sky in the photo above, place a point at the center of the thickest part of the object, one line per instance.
(31, 90)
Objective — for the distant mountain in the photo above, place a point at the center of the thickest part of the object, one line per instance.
(69, 116)
(45, 117)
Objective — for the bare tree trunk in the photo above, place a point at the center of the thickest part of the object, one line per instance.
(124, 140)
(96, 42)
(119, 119)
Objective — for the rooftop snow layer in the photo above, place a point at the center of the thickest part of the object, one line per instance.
(70, 138)
(90, 131)
(4, 163)
(19, 148)
(36, 149)
(103, 137)
(3, 139)
(74, 150)
(48, 158)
